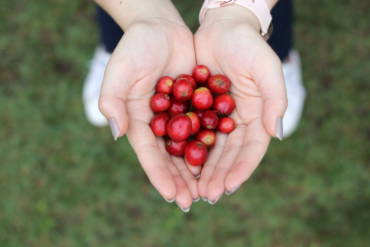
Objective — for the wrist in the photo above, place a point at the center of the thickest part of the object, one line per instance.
(129, 12)
(234, 13)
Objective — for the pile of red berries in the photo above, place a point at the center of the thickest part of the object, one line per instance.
(188, 111)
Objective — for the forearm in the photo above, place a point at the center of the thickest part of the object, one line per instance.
(126, 12)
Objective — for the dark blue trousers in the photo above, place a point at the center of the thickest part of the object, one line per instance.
(281, 39)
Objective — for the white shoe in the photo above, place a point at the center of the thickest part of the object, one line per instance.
(295, 91)
(92, 85)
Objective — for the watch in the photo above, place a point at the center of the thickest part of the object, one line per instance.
(258, 7)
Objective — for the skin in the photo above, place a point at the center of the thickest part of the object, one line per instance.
(151, 47)
(156, 43)
(229, 42)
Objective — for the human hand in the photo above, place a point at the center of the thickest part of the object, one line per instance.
(148, 50)
(229, 42)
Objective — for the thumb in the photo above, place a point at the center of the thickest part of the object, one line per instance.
(114, 109)
(270, 80)
(112, 102)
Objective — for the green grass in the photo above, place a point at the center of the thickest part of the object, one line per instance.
(66, 183)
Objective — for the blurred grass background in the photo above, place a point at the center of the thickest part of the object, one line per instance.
(66, 183)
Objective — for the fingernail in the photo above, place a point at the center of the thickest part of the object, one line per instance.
(212, 202)
(196, 200)
(230, 192)
(185, 210)
(204, 199)
(197, 176)
(169, 201)
(114, 128)
(279, 128)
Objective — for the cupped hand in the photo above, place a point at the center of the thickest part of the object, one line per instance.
(148, 50)
(229, 42)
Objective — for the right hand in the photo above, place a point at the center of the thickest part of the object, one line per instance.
(148, 50)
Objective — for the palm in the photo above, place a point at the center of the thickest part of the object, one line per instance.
(233, 50)
(147, 52)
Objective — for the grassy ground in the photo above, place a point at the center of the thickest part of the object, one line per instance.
(66, 183)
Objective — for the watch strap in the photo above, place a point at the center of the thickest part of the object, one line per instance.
(258, 7)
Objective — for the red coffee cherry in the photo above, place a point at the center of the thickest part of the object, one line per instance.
(164, 85)
(226, 125)
(201, 73)
(195, 122)
(224, 104)
(209, 120)
(182, 90)
(175, 148)
(208, 137)
(219, 84)
(189, 78)
(160, 102)
(196, 153)
(158, 124)
(179, 127)
(202, 98)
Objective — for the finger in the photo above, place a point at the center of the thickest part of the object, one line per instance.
(210, 165)
(112, 103)
(216, 185)
(184, 198)
(268, 74)
(203, 58)
(153, 161)
(183, 193)
(254, 147)
(183, 170)
(195, 170)
(188, 177)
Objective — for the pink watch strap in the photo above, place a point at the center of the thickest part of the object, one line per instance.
(258, 7)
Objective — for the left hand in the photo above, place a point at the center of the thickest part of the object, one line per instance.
(229, 42)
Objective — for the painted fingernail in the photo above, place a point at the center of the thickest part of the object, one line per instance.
(212, 202)
(169, 201)
(196, 200)
(279, 129)
(204, 199)
(114, 128)
(230, 192)
(185, 210)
